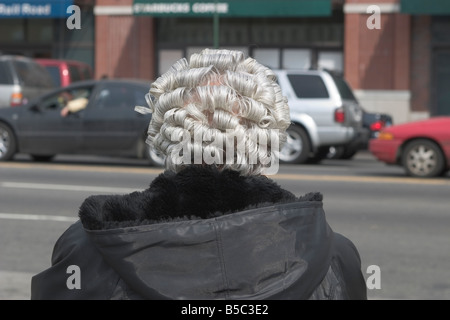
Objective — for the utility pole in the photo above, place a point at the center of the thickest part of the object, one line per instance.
(216, 27)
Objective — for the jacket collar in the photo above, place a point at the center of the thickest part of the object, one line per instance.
(197, 192)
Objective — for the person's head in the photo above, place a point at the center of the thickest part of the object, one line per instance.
(219, 108)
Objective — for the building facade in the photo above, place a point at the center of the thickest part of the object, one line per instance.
(394, 53)
(38, 29)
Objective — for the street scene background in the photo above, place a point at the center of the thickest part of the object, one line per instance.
(398, 224)
(395, 55)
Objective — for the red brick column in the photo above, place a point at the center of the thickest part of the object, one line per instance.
(421, 64)
(376, 59)
(124, 44)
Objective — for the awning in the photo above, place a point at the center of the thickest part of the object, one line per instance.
(233, 8)
(35, 8)
(422, 7)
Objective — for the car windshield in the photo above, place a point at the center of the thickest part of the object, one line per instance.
(344, 89)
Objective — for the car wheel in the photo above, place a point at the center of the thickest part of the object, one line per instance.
(341, 152)
(297, 147)
(335, 152)
(423, 158)
(8, 143)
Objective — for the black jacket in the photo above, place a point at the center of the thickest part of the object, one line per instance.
(203, 234)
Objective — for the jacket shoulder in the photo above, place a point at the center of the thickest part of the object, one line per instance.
(348, 262)
(344, 279)
(77, 270)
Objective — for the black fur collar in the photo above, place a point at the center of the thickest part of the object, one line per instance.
(195, 192)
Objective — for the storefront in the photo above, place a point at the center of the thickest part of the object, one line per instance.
(280, 34)
(432, 23)
(37, 28)
(399, 67)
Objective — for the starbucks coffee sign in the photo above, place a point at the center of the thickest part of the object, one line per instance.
(233, 8)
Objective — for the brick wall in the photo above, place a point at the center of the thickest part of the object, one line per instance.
(377, 59)
(124, 44)
(420, 63)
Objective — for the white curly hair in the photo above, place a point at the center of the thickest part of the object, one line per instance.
(218, 108)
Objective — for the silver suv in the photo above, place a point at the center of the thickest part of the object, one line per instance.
(324, 114)
(21, 79)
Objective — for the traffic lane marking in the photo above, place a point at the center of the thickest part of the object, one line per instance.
(405, 180)
(64, 187)
(300, 177)
(34, 217)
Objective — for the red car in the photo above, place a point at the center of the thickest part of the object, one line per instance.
(65, 72)
(421, 147)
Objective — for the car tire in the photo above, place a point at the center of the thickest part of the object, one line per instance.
(335, 152)
(341, 153)
(8, 143)
(349, 154)
(320, 155)
(423, 158)
(297, 146)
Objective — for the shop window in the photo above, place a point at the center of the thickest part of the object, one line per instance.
(12, 30)
(331, 60)
(167, 58)
(268, 57)
(296, 59)
(39, 30)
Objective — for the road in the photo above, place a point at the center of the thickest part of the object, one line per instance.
(399, 224)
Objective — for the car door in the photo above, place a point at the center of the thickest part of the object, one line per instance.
(112, 126)
(46, 131)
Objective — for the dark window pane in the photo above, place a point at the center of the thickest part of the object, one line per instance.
(308, 87)
(54, 73)
(74, 73)
(343, 88)
(5, 77)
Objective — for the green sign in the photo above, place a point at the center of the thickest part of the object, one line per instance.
(233, 8)
(422, 7)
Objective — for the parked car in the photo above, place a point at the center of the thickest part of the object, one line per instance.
(421, 147)
(22, 79)
(324, 113)
(65, 72)
(107, 125)
(372, 121)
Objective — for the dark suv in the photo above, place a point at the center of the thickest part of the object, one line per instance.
(22, 79)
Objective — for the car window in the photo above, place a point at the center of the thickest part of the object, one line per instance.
(55, 74)
(74, 73)
(139, 96)
(60, 99)
(86, 72)
(116, 96)
(32, 74)
(5, 76)
(343, 88)
(308, 86)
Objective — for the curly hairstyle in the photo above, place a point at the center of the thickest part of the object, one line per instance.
(219, 108)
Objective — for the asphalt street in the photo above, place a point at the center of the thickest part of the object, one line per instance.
(399, 224)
